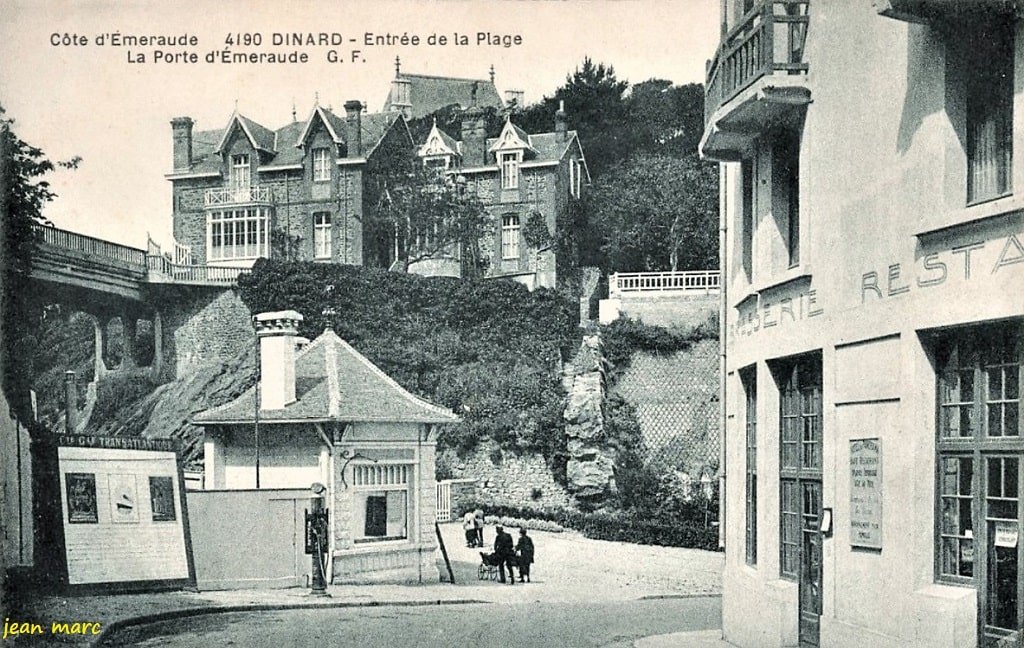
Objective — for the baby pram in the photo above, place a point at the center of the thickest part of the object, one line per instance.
(489, 569)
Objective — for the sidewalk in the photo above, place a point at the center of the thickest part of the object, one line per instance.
(701, 639)
(569, 568)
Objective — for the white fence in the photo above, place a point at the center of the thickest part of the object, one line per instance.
(701, 281)
(444, 500)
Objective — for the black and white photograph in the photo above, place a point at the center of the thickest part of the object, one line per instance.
(571, 323)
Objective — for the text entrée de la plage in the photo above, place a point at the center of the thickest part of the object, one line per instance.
(272, 47)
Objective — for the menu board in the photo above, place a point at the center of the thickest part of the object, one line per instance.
(866, 493)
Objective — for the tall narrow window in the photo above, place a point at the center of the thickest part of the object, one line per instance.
(321, 164)
(786, 184)
(240, 172)
(322, 235)
(749, 379)
(575, 177)
(510, 236)
(989, 91)
(509, 163)
(799, 453)
(747, 224)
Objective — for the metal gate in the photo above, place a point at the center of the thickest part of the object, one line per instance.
(444, 500)
(250, 538)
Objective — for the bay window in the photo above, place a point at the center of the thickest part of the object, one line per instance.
(238, 234)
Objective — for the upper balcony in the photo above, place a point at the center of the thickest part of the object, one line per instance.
(254, 195)
(758, 76)
(926, 11)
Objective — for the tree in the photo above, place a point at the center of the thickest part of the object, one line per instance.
(23, 193)
(656, 212)
(430, 215)
(594, 102)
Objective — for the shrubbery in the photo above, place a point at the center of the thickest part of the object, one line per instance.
(683, 523)
(489, 350)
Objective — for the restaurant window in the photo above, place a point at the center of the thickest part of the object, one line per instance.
(980, 444)
(510, 236)
(749, 379)
(989, 95)
(747, 216)
(381, 509)
(800, 454)
(786, 190)
(322, 235)
(321, 164)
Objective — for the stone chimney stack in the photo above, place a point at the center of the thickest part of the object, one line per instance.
(514, 99)
(181, 129)
(277, 334)
(70, 403)
(474, 138)
(354, 127)
(561, 127)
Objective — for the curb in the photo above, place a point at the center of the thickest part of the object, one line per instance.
(659, 597)
(110, 630)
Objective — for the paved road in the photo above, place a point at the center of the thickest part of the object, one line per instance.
(520, 625)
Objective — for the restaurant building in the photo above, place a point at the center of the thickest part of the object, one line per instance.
(873, 320)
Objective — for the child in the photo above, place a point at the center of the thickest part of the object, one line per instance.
(469, 526)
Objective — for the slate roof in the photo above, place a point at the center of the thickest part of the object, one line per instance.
(549, 147)
(429, 93)
(334, 382)
(280, 144)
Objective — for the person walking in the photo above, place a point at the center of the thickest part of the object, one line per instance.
(469, 526)
(506, 555)
(525, 550)
(478, 521)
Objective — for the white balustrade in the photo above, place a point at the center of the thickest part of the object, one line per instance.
(701, 281)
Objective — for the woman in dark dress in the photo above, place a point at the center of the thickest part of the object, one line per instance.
(525, 550)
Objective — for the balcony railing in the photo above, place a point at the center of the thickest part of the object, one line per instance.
(89, 245)
(768, 39)
(701, 281)
(238, 196)
(163, 270)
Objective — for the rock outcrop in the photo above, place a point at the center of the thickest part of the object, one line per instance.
(590, 469)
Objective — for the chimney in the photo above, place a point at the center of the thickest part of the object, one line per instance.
(70, 403)
(514, 98)
(560, 123)
(474, 138)
(354, 132)
(277, 334)
(181, 129)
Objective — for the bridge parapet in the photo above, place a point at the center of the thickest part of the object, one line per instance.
(90, 245)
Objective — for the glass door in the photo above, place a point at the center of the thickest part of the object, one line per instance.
(1000, 595)
(810, 564)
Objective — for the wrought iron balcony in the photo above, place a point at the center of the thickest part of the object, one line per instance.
(254, 195)
(767, 42)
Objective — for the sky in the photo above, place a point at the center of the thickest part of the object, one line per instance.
(99, 102)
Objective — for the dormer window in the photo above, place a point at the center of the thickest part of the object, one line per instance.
(437, 163)
(240, 171)
(321, 164)
(509, 164)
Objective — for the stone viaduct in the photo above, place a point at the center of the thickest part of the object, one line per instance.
(194, 310)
